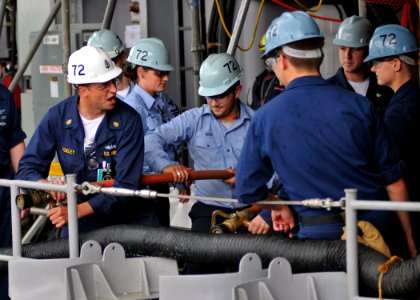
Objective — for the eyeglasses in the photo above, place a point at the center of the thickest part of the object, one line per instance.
(106, 85)
(158, 73)
(375, 62)
(90, 156)
(220, 98)
(270, 62)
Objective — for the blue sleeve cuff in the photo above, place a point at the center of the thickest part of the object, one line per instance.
(266, 215)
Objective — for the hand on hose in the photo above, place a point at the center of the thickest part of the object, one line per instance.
(231, 181)
(179, 172)
(57, 196)
(283, 219)
(58, 216)
(258, 226)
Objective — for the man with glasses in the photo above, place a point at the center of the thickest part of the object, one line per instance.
(393, 54)
(266, 85)
(149, 67)
(320, 139)
(354, 75)
(214, 133)
(95, 136)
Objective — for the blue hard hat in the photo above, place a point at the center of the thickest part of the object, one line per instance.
(391, 40)
(290, 27)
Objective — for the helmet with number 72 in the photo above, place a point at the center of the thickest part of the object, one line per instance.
(91, 65)
(151, 53)
(391, 40)
(217, 74)
(290, 27)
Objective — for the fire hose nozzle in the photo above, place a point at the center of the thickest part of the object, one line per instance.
(33, 198)
(233, 221)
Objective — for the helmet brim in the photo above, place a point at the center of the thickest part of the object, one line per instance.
(114, 73)
(168, 68)
(343, 43)
(209, 92)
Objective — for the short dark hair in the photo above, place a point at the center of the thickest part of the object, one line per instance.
(305, 63)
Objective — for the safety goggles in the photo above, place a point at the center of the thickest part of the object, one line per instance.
(270, 62)
(90, 156)
(158, 73)
(375, 62)
(221, 97)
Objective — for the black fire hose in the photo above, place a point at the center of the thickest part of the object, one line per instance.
(304, 256)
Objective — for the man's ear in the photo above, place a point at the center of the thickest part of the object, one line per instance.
(396, 65)
(282, 62)
(238, 91)
(81, 90)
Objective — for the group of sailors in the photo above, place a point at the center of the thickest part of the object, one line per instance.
(313, 139)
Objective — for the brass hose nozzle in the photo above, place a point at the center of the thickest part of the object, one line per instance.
(33, 198)
(233, 221)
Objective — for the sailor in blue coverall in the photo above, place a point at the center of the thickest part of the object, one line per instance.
(394, 62)
(151, 73)
(11, 150)
(116, 151)
(320, 144)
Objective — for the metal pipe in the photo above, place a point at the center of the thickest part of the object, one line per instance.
(38, 211)
(109, 12)
(2, 13)
(237, 29)
(72, 216)
(386, 205)
(65, 20)
(33, 185)
(39, 223)
(35, 46)
(196, 48)
(16, 229)
(351, 244)
(362, 8)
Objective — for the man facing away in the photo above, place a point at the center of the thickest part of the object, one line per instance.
(317, 145)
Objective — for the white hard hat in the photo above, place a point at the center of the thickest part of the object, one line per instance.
(91, 65)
